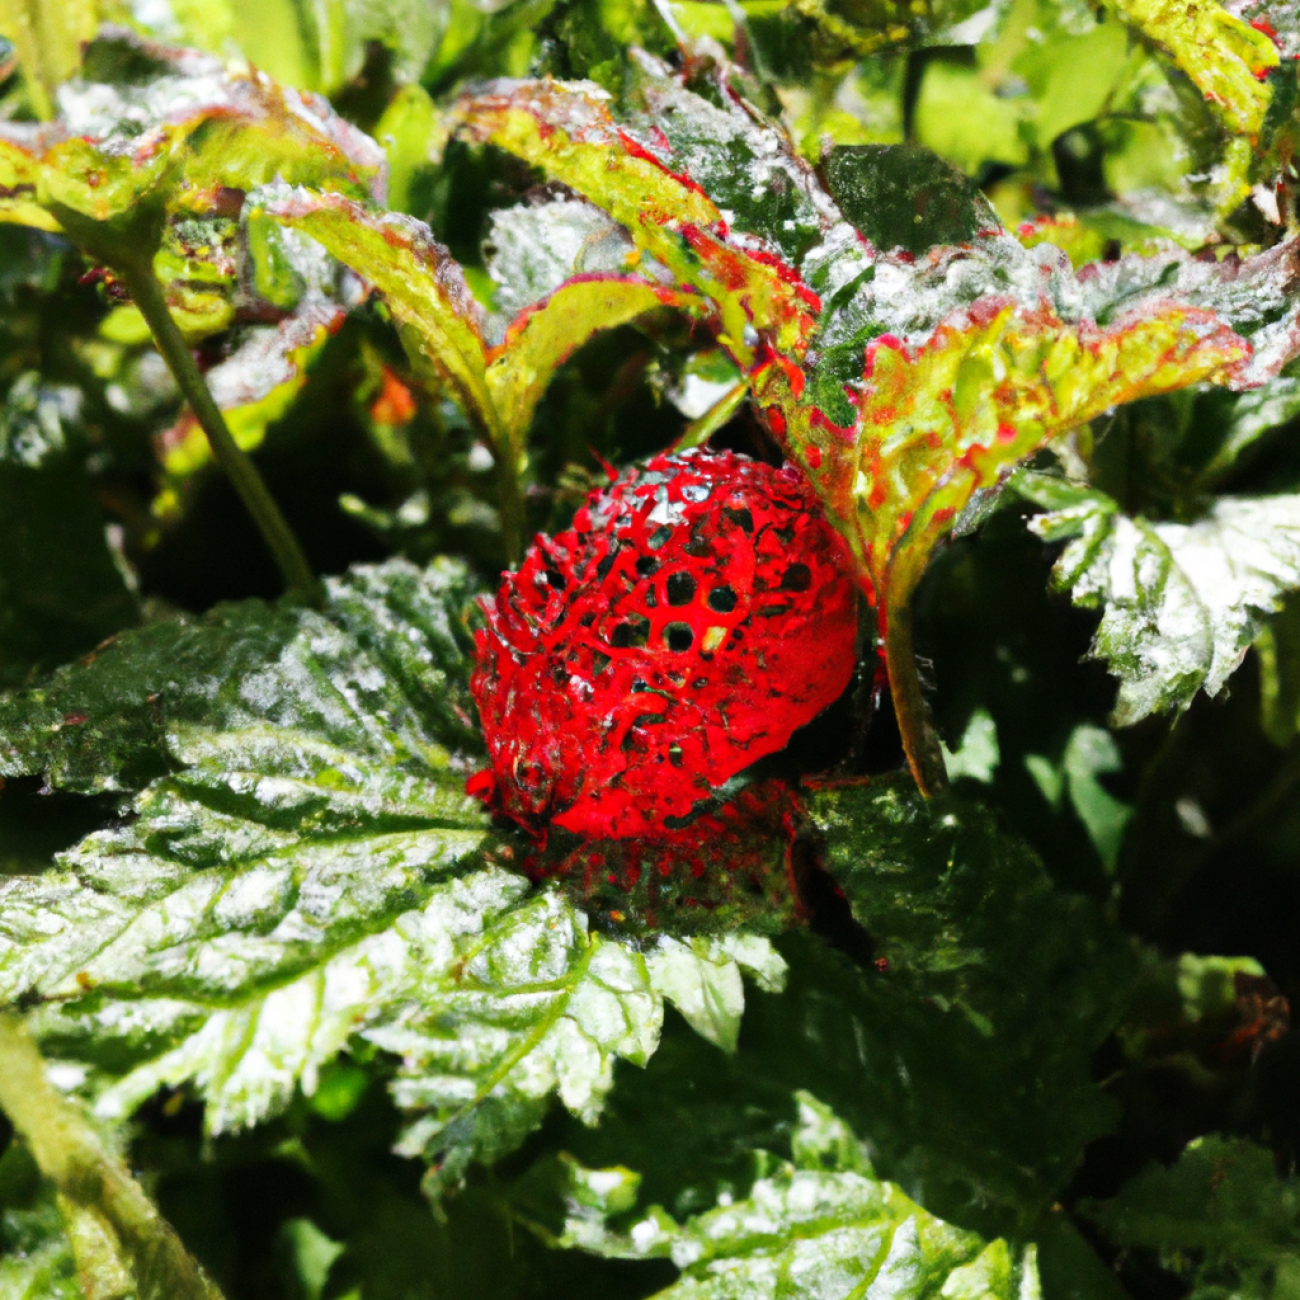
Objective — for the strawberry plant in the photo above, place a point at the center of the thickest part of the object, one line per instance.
(649, 650)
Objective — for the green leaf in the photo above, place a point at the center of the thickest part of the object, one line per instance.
(541, 339)
(382, 673)
(570, 133)
(1181, 603)
(1254, 414)
(143, 121)
(1220, 52)
(446, 329)
(1220, 1219)
(1090, 752)
(311, 875)
(977, 755)
(423, 286)
(903, 196)
(35, 1258)
(964, 921)
(820, 1227)
(1278, 648)
(48, 36)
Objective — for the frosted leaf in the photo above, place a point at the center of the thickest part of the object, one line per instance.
(1181, 603)
(532, 249)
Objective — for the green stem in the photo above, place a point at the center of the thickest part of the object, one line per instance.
(137, 274)
(920, 741)
(510, 503)
(69, 1154)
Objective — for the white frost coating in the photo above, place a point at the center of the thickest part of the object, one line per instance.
(1182, 602)
(697, 395)
(533, 249)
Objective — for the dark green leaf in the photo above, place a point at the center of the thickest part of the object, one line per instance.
(1220, 1218)
(976, 1033)
(822, 1227)
(903, 196)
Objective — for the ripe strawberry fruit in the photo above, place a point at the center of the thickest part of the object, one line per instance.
(696, 614)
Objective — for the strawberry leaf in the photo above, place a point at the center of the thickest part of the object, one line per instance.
(1223, 54)
(903, 380)
(819, 1226)
(1181, 603)
(963, 920)
(302, 872)
(1220, 1218)
(144, 120)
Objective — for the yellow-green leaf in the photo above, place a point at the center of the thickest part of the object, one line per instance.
(989, 387)
(568, 131)
(422, 284)
(1224, 56)
(541, 338)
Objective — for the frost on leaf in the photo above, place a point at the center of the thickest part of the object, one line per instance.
(182, 135)
(445, 330)
(301, 870)
(1181, 603)
(903, 376)
(819, 1227)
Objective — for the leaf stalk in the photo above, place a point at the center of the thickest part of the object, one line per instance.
(146, 292)
(69, 1153)
(920, 740)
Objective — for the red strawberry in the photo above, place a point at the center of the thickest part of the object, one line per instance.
(698, 612)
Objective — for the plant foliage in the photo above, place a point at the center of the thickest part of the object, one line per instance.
(976, 988)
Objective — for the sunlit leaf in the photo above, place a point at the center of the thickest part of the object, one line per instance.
(820, 1227)
(1181, 603)
(311, 875)
(120, 138)
(650, 187)
(1224, 55)
(542, 337)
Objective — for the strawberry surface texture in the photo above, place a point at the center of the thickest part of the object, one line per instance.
(698, 612)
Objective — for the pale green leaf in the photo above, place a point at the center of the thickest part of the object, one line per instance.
(1181, 603)
(309, 875)
(977, 755)
(702, 979)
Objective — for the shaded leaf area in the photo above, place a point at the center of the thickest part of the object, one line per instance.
(991, 993)
(821, 1226)
(1220, 1219)
(1181, 603)
(36, 1260)
(61, 591)
(311, 875)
